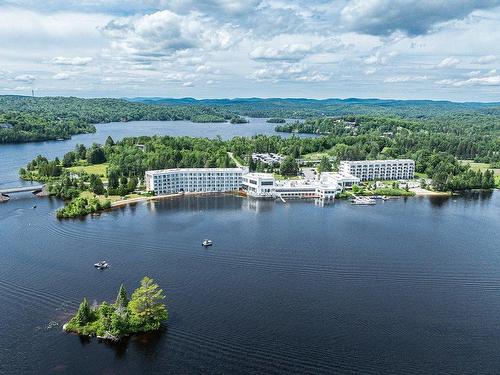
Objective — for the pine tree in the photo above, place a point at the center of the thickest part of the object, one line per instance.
(122, 298)
(84, 314)
(147, 307)
(324, 165)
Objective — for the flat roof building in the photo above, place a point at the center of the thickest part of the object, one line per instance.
(264, 185)
(208, 180)
(367, 170)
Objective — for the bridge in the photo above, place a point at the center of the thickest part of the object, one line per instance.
(36, 189)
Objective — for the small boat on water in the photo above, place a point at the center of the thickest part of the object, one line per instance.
(101, 265)
(207, 243)
(363, 201)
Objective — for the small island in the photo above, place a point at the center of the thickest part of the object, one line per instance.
(276, 120)
(144, 312)
(238, 120)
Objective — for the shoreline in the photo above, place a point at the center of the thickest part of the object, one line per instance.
(420, 192)
(125, 202)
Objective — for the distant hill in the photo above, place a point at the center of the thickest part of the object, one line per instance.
(304, 108)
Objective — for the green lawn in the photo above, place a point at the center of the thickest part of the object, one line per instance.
(480, 166)
(315, 156)
(98, 169)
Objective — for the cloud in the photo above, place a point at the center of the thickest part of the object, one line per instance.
(401, 79)
(491, 78)
(27, 78)
(77, 61)
(290, 52)
(482, 81)
(163, 33)
(448, 62)
(295, 51)
(488, 59)
(411, 17)
(289, 72)
(61, 76)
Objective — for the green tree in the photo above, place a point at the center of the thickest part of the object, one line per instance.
(289, 167)
(109, 141)
(81, 151)
(147, 307)
(113, 178)
(84, 313)
(96, 185)
(132, 183)
(95, 155)
(122, 298)
(69, 159)
(324, 165)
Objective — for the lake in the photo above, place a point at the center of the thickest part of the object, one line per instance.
(408, 286)
(15, 156)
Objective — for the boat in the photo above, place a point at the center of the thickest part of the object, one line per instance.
(207, 243)
(101, 265)
(363, 201)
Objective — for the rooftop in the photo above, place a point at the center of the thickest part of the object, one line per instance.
(378, 161)
(188, 170)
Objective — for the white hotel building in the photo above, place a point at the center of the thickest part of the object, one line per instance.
(366, 170)
(264, 185)
(206, 180)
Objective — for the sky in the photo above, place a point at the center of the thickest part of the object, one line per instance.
(401, 49)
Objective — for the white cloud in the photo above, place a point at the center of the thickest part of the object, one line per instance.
(61, 76)
(79, 61)
(448, 62)
(400, 79)
(28, 78)
(488, 59)
(162, 33)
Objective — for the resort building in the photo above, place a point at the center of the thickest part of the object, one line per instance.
(366, 170)
(343, 180)
(207, 180)
(264, 185)
(268, 158)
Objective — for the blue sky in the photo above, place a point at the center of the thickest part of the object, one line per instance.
(403, 49)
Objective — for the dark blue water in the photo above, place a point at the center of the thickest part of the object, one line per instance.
(15, 156)
(406, 286)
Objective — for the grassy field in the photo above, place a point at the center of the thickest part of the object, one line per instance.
(315, 156)
(98, 169)
(480, 166)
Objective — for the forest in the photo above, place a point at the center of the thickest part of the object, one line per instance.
(26, 119)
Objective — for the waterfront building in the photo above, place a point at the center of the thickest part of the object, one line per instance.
(343, 180)
(206, 180)
(366, 170)
(264, 185)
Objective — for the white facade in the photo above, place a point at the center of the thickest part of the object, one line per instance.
(343, 180)
(379, 169)
(209, 180)
(264, 185)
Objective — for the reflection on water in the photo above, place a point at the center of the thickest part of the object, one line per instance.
(405, 286)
